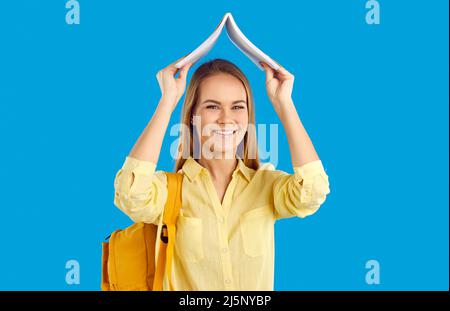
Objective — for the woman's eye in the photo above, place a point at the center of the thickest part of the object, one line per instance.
(238, 107)
(212, 107)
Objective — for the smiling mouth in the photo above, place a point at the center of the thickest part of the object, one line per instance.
(224, 133)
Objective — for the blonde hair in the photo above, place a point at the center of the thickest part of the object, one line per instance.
(213, 67)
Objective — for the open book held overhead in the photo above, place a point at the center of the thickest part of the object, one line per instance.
(239, 40)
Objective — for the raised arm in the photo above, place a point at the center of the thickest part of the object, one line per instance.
(301, 193)
(140, 192)
(148, 145)
(279, 86)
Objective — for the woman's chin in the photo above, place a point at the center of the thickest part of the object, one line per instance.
(224, 151)
(222, 147)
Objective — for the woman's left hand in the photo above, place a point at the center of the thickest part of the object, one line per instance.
(279, 86)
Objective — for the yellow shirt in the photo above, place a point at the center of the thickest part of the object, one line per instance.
(228, 246)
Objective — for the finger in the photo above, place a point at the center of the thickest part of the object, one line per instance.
(170, 72)
(177, 69)
(158, 76)
(171, 69)
(184, 71)
(284, 74)
(269, 71)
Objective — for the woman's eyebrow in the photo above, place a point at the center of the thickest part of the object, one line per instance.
(219, 103)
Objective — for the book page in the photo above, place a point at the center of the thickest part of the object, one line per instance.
(247, 47)
(239, 40)
(205, 47)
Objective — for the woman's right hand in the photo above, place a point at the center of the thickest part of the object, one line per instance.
(172, 88)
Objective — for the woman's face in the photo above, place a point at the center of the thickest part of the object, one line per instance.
(220, 117)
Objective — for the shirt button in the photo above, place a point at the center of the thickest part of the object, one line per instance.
(227, 281)
(224, 250)
(221, 219)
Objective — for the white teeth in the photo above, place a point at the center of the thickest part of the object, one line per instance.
(224, 133)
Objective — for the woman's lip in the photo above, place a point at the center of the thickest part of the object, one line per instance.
(224, 133)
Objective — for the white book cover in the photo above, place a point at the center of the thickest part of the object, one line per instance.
(237, 37)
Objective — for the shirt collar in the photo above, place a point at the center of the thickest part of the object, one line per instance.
(244, 169)
(191, 168)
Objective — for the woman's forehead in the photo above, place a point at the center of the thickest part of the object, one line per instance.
(222, 87)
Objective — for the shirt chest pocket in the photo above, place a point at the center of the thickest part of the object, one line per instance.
(189, 238)
(257, 230)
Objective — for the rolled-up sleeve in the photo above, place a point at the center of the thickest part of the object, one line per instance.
(143, 198)
(302, 193)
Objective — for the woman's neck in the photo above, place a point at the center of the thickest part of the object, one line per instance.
(219, 168)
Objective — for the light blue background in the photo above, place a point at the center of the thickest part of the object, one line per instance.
(374, 99)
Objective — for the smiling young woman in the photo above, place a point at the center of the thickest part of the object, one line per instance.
(225, 230)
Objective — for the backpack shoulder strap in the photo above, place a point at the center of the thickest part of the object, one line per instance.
(173, 203)
(168, 232)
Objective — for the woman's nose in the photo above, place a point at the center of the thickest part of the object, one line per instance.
(225, 116)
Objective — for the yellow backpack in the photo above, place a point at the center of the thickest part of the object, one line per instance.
(129, 258)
